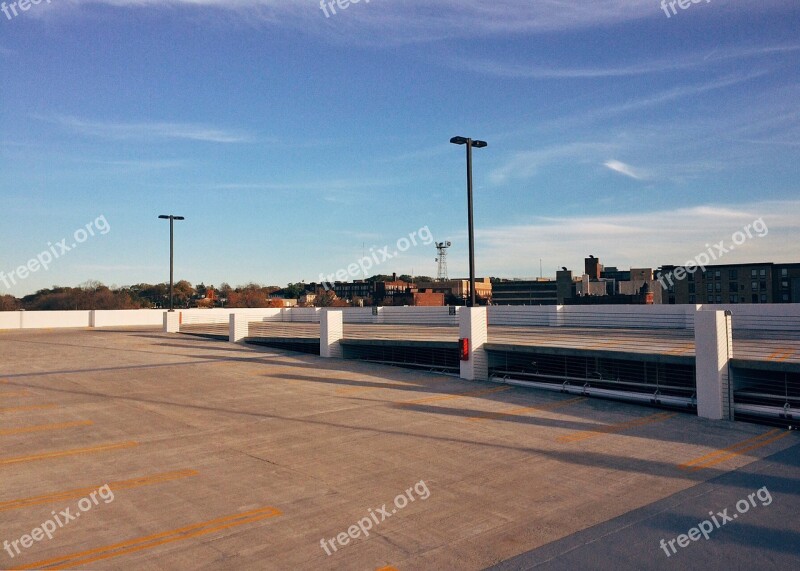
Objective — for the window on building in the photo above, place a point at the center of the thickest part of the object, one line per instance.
(755, 298)
(733, 286)
(734, 298)
(733, 274)
(784, 272)
(754, 286)
(785, 284)
(785, 297)
(718, 299)
(763, 286)
(692, 288)
(710, 287)
(763, 298)
(763, 273)
(717, 274)
(718, 286)
(753, 273)
(692, 299)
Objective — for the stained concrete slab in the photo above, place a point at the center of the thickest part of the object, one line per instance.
(240, 457)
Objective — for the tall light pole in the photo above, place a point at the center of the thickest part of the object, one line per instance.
(478, 145)
(171, 219)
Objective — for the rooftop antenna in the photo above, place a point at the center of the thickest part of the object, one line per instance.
(441, 274)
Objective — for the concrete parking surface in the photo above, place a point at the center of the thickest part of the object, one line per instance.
(222, 456)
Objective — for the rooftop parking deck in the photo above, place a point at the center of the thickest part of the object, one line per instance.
(226, 456)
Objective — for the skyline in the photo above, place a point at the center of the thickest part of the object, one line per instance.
(294, 142)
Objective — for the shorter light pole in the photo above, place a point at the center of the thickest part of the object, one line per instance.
(171, 219)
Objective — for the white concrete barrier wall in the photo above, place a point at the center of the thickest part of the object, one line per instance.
(772, 316)
(128, 317)
(644, 316)
(420, 315)
(55, 319)
(10, 319)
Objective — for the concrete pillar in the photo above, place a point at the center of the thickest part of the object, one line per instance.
(331, 331)
(714, 350)
(237, 328)
(473, 326)
(172, 321)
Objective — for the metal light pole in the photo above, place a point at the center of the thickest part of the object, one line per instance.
(478, 145)
(171, 219)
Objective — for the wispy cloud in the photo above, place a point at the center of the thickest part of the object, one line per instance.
(149, 131)
(526, 164)
(624, 169)
(637, 239)
(674, 63)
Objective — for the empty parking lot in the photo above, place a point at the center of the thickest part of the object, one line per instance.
(237, 457)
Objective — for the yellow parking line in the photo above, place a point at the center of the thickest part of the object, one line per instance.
(22, 393)
(456, 396)
(63, 453)
(717, 456)
(519, 411)
(786, 355)
(28, 408)
(45, 427)
(350, 390)
(681, 349)
(606, 344)
(80, 492)
(614, 428)
(150, 541)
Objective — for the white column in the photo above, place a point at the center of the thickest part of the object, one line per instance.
(714, 350)
(473, 326)
(237, 328)
(172, 321)
(331, 331)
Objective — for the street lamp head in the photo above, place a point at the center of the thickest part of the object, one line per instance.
(479, 144)
(459, 140)
(178, 218)
(164, 216)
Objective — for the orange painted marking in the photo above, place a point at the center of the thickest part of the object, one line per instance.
(388, 568)
(80, 492)
(615, 428)
(522, 410)
(64, 453)
(718, 456)
(681, 349)
(45, 427)
(615, 343)
(150, 541)
(456, 396)
(28, 408)
(22, 393)
(350, 390)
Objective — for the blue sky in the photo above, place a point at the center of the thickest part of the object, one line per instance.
(292, 142)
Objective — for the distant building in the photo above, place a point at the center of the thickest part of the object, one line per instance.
(459, 288)
(731, 283)
(525, 292)
(419, 298)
